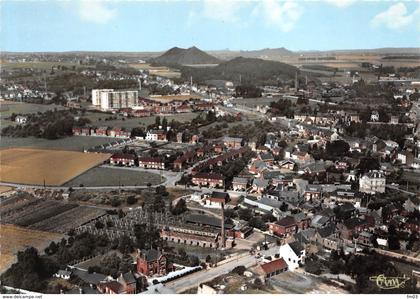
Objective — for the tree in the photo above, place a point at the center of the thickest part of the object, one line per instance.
(157, 121)
(368, 163)
(164, 123)
(239, 270)
(194, 261)
(180, 207)
(337, 148)
(131, 200)
(393, 241)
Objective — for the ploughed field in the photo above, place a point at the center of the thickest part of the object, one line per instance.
(52, 167)
(47, 215)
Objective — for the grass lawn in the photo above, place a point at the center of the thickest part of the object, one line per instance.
(101, 176)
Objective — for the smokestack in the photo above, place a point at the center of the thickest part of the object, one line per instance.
(223, 226)
(296, 82)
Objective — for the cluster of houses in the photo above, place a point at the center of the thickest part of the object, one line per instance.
(104, 131)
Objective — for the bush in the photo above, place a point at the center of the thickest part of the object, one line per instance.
(239, 270)
(131, 200)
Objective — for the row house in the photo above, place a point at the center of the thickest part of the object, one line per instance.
(183, 109)
(163, 109)
(151, 163)
(119, 133)
(141, 113)
(82, 131)
(101, 131)
(208, 179)
(123, 159)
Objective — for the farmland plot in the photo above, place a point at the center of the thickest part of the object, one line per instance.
(35, 166)
(47, 215)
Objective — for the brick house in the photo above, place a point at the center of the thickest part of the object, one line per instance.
(151, 162)
(101, 131)
(286, 226)
(208, 179)
(351, 226)
(152, 262)
(122, 159)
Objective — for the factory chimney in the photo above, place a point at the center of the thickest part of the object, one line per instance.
(223, 226)
(296, 82)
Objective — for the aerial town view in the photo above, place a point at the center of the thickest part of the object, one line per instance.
(209, 147)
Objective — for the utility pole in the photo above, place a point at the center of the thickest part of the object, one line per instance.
(223, 226)
(45, 83)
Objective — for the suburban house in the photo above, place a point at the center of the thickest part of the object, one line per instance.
(151, 162)
(293, 254)
(123, 159)
(239, 184)
(260, 185)
(208, 179)
(286, 226)
(217, 199)
(20, 119)
(231, 142)
(156, 135)
(312, 192)
(151, 262)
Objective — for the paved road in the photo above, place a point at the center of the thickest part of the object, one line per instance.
(401, 190)
(194, 279)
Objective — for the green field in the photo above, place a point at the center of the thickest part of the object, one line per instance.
(7, 109)
(72, 143)
(101, 176)
(41, 65)
(134, 122)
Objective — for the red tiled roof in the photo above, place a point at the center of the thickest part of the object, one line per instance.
(273, 266)
(123, 156)
(214, 176)
(150, 160)
(287, 221)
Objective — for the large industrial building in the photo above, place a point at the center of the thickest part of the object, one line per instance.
(109, 99)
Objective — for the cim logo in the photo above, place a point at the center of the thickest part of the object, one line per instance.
(388, 283)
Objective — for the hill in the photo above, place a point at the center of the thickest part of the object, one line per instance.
(188, 56)
(251, 70)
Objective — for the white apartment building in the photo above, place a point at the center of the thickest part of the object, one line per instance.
(96, 96)
(372, 182)
(109, 99)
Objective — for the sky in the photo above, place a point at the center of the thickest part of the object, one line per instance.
(139, 26)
